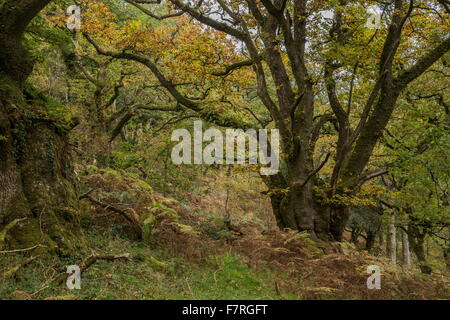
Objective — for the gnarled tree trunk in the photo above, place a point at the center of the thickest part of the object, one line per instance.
(417, 240)
(35, 171)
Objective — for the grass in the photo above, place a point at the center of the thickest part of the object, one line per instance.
(153, 272)
(201, 259)
(219, 276)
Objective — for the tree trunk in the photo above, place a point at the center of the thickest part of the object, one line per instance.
(338, 222)
(417, 241)
(14, 18)
(355, 235)
(446, 254)
(275, 200)
(405, 246)
(297, 209)
(35, 179)
(35, 170)
(381, 239)
(393, 239)
(388, 243)
(370, 241)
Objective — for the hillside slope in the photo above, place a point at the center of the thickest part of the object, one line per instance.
(195, 250)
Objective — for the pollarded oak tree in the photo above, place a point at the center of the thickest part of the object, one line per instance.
(38, 205)
(288, 45)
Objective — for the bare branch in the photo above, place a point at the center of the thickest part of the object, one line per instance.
(234, 66)
(371, 175)
(151, 14)
(422, 64)
(188, 103)
(218, 25)
(316, 171)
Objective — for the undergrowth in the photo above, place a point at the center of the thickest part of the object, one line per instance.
(151, 273)
(201, 253)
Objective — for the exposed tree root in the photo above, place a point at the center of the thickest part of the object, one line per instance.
(89, 262)
(5, 230)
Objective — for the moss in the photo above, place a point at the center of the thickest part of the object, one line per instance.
(111, 172)
(50, 154)
(48, 201)
(154, 263)
(311, 246)
(20, 133)
(58, 227)
(56, 230)
(9, 91)
(5, 230)
(70, 192)
(48, 109)
(28, 235)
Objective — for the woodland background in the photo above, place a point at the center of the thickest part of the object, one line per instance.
(85, 140)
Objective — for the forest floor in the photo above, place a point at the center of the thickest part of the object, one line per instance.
(188, 254)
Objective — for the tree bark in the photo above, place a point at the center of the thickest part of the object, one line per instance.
(294, 204)
(370, 241)
(416, 236)
(35, 167)
(393, 239)
(338, 222)
(14, 18)
(381, 239)
(405, 247)
(446, 254)
(388, 243)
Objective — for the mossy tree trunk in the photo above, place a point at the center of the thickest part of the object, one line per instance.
(416, 235)
(35, 170)
(370, 241)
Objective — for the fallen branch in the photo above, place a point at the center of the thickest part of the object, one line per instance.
(5, 230)
(123, 213)
(26, 249)
(89, 262)
(11, 272)
(109, 207)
